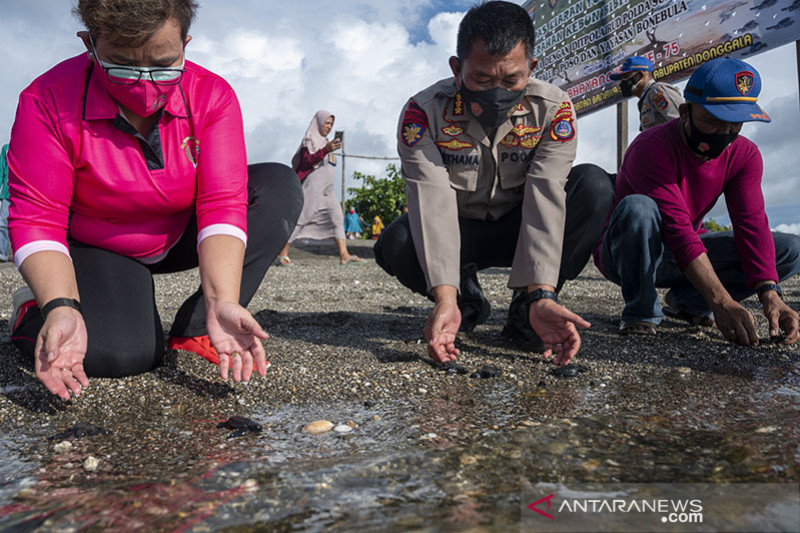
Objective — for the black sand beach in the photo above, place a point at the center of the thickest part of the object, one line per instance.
(427, 450)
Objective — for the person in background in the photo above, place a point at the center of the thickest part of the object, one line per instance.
(658, 101)
(487, 160)
(672, 175)
(110, 186)
(4, 204)
(315, 164)
(352, 224)
(377, 227)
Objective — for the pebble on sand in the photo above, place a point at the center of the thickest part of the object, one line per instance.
(63, 446)
(767, 429)
(318, 427)
(91, 463)
(343, 428)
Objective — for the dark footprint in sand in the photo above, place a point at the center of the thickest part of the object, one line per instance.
(78, 431)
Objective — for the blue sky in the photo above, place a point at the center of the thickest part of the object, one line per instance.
(360, 59)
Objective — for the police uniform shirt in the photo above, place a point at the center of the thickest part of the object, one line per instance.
(658, 104)
(452, 168)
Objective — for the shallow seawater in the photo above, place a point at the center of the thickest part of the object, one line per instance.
(448, 461)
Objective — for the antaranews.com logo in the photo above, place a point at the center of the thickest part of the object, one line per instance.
(660, 507)
(671, 511)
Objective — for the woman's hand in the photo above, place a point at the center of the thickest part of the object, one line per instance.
(333, 145)
(60, 349)
(237, 337)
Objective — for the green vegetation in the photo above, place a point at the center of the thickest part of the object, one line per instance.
(712, 225)
(384, 197)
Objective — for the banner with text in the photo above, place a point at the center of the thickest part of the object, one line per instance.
(580, 42)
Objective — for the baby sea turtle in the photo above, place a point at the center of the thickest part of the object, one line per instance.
(486, 372)
(775, 340)
(569, 371)
(240, 425)
(452, 368)
(79, 431)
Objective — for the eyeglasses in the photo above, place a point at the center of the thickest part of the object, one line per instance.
(122, 75)
(131, 75)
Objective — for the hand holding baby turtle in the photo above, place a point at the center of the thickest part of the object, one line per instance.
(240, 425)
(775, 340)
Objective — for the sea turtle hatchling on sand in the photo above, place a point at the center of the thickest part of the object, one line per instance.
(79, 431)
(240, 425)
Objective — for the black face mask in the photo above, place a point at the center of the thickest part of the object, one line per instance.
(709, 145)
(626, 86)
(493, 106)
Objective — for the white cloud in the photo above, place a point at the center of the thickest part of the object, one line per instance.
(788, 228)
(361, 60)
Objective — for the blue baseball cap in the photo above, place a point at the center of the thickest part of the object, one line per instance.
(633, 64)
(727, 88)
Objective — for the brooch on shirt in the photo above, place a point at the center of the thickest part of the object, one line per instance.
(522, 130)
(509, 141)
(191, 147)
(452, 130)
(454, 144)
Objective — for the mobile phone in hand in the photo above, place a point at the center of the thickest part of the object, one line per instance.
(339, 135)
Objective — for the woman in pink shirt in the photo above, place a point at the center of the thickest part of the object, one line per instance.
(128, 161)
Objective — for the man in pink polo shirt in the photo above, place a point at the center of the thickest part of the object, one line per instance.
(125, 161)
(672, 175)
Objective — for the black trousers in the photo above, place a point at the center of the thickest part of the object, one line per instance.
(117, 293)
(491, 243)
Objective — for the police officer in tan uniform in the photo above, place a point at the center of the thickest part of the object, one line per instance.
(658, 101)
(487, 159)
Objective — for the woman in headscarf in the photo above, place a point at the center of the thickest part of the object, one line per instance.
(315, 164)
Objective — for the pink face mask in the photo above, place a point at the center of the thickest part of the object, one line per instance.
(144, 98)
(143, 90)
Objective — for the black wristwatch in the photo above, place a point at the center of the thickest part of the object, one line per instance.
(60, 302)
(770, 287)
(539, 294)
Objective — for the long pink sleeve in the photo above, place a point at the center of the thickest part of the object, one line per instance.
(659, 164)
(76, 166)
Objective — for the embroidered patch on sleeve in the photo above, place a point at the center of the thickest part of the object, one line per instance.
(660, 100)
(415, 122)
(562, 130)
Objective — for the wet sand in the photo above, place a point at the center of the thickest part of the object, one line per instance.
(429, 451)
